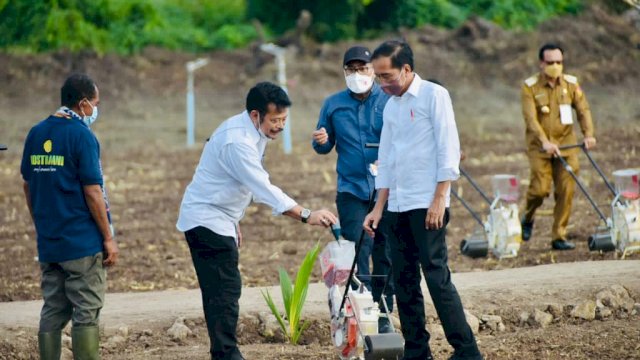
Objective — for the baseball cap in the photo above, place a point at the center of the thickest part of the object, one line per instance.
(357, 53)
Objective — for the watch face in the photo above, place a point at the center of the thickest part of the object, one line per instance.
(305, 214)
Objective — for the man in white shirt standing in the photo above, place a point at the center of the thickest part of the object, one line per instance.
(230, 174)
(418, 158)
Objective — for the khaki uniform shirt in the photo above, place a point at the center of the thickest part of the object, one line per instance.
(541, 110)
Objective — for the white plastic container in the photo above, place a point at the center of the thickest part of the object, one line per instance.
(335, 261)
(505, 186)
(627, 183)
(366, 311)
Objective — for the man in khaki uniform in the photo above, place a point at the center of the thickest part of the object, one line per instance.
(547, 100)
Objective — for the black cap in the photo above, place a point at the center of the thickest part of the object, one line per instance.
(357, 53)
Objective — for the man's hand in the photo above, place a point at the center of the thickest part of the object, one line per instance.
(239, 236)
(551, 148)
(589, 142)
(110, 252)
(371, 222)
(435, 214)
(322, 218)
(320, 136)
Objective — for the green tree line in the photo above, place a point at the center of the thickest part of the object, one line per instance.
(127, 26)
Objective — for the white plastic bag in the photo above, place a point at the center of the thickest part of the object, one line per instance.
(335, 261)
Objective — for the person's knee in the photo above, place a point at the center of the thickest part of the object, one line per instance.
(539, 189)
(87, 299)
(86, 316)
(228, 286)
(55, 321)
(438, 278)
(56, 310)
(540, 184)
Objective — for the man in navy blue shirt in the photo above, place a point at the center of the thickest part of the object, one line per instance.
(63, 186)
(349, 120)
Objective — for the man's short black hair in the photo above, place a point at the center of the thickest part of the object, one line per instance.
(265, 93)
(398, 51)
(76, 88)
(548, 46)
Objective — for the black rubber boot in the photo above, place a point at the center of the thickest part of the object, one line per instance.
(50, 344)
(86, 342)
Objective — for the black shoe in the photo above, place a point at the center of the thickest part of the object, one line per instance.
(527, 229)
(384, 326)
(560, 244)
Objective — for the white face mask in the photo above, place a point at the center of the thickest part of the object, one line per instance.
(262, 134)
(359, 84)
(93, 117)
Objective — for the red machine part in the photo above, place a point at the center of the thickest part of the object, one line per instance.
(352, 332)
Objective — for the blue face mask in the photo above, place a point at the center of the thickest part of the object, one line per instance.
(93, 117)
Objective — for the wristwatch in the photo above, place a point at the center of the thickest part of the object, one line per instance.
(304, 215)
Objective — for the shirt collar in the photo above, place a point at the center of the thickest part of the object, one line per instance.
(67, 113)
(545, 80)
(251, 127)
(414, 88)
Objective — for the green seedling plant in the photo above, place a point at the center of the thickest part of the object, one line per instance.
(293, 298)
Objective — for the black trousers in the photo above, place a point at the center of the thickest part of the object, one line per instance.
(215, 258)
(414, 247)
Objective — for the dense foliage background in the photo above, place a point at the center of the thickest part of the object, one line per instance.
(126, 26)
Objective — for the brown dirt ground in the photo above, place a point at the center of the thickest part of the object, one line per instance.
(614, 338)
(142, 131)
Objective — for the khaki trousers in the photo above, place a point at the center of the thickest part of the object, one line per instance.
(543, 171)
(72, 290)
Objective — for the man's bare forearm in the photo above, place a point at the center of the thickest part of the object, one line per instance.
(441, 189)
(27, 196)
(98, 209)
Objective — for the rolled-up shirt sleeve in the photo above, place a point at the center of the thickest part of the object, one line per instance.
(243, 163)
(446, 135)
(325, 122)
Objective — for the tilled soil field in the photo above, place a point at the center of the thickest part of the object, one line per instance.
(146, 170)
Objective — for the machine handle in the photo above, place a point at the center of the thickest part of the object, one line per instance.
(475, 185)
(350, 280)
(3, 147)
(572, 146)
(595, 166)
(593, 163)
(567, 147)
(466, 206)
(371, 145)
(581, 186)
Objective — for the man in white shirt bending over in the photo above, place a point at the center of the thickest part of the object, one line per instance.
(230, 174)
(418, 158)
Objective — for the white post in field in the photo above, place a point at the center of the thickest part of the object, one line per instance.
(279, 53)
(192, 66)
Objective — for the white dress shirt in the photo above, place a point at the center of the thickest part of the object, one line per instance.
(419, 146)
(229, 175)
